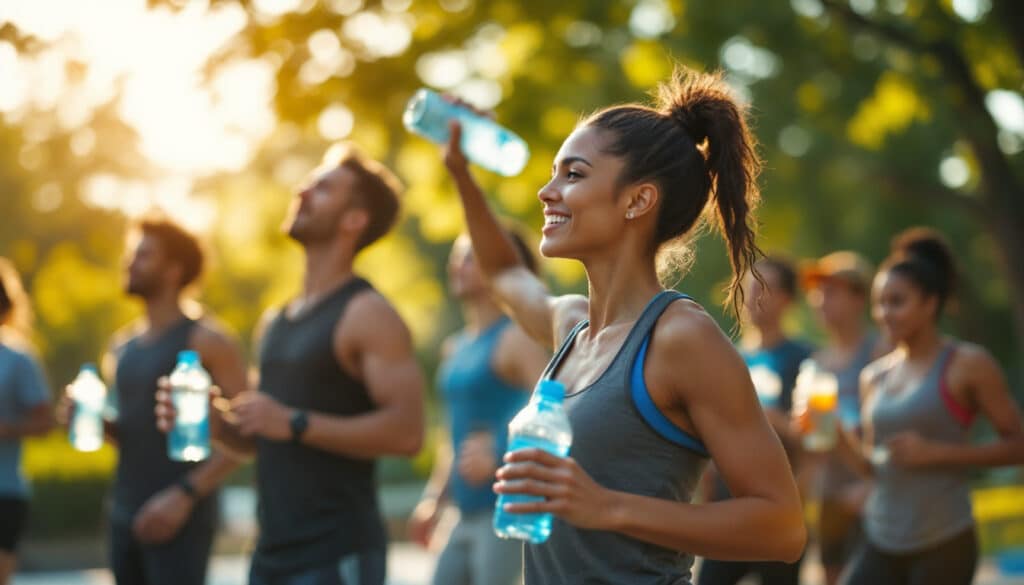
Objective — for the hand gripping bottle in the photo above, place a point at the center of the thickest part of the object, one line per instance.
(483, 141)
(189, 440)
(542, 424)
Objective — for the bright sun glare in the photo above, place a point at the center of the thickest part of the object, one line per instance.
(191, 124)
(188, 126)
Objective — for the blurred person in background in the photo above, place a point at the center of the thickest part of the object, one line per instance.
(919, 402)
(838, 286)
(24, 411)
(774, 360)
(486, 375)
(164, 513)
(338, 387)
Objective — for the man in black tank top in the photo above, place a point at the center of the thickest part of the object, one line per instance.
(163, 512)
(339, 387)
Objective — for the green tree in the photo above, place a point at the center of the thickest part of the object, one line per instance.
(858, 105)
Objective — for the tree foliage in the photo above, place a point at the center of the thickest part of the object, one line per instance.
(858, 105)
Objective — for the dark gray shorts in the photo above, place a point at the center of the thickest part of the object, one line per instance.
(361, 568)
(13, 516)
(181, 561)
(474, 555)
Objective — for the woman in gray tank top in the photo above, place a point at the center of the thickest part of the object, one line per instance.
(653, 385)
(919, 402)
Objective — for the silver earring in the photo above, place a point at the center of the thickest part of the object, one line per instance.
(629, 215)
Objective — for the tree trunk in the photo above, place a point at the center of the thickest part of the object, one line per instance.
(1011, 14)
(1000, 192)
(1000, 188)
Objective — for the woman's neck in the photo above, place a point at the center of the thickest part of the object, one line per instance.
(619, 288)
(922, 345)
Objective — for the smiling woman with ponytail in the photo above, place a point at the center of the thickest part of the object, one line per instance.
(654, 389)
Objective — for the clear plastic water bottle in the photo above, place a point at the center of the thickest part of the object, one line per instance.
(189, 439)
(90, 396)
(544, 425)
(483, 141)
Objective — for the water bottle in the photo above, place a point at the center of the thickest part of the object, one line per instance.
(89, 394)
(189, 439)
(483, 141)
(544, 425)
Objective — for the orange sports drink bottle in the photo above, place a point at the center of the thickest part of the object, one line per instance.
(820, 392)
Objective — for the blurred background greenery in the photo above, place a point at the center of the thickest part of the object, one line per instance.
(873, 115)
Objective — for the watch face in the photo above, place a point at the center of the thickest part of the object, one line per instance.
(298, 423)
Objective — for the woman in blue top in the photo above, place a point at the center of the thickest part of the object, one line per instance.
(24, 411)
(918, 404)
(765, 343)
(774, 360)
(653, 386)
(487, 371)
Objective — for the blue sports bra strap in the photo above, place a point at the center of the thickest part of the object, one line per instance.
(650, 412)
(637, 388)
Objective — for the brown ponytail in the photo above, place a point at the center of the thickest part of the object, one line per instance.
(696, 145)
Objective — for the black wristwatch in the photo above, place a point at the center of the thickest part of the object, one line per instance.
(299, 422)
(185, 484)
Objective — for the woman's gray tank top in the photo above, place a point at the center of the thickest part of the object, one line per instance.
(914, 509)
(616, 445)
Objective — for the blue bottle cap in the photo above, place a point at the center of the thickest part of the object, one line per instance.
(89, 367)
(551, 390)
(188, 357)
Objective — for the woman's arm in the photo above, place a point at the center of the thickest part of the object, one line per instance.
(763, 519)
(518, 360)
(521, 293)
(32, 394)
(425, 516)
(36, 422)
(974, 377)
(853, 451)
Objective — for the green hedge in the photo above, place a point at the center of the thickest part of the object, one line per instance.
(68, 487)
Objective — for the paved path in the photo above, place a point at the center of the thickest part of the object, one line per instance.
(407, 565)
